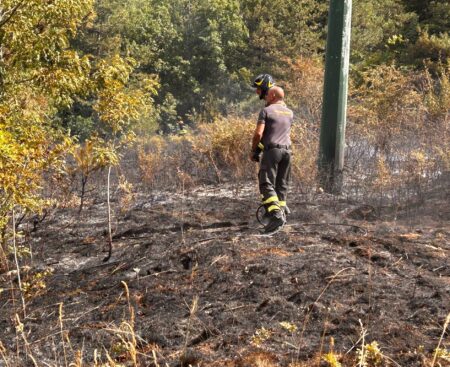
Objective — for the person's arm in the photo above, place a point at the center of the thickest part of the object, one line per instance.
(257, 136)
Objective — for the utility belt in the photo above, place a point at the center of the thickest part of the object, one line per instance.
(260, 147)
(276, 146)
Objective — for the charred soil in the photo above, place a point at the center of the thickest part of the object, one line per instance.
(190, 282)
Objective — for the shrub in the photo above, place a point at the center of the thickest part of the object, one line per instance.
(397, 121)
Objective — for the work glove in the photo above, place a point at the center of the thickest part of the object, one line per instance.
(256, 157)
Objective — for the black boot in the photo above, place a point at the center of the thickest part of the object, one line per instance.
(276, 221)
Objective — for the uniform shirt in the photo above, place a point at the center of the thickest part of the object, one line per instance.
(278, 120)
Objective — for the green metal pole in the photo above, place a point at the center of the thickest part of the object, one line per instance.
(332, 131)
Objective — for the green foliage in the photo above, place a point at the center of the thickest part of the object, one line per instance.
(204, 53)
(34, 284)
(168, 118)
(429, 50)
(38, 74)
(431, 41)
(284, 28)
(375, 24)
(79, 126)
(35, 53)
(206, 56)
(434, 15)
(116, 104)
(193, 47)
(407, 32)
(141, 29)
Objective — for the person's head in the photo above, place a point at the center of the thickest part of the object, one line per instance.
(263, 83)
(274, 95)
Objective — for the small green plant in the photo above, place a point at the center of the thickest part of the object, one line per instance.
(22, 251)
(442, 354)
(292, 328)
(369, 355)
(260, 336)
(374, 356)
(34, 284)
(332, 360)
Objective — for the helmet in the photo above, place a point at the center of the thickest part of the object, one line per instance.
(263, 82)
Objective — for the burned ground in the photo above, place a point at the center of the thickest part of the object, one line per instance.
(191, 281)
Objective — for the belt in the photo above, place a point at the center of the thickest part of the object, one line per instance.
(277, 146)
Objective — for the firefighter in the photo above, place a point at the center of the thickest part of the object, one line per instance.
(272, 138)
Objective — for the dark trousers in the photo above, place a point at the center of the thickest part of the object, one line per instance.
(274, 176)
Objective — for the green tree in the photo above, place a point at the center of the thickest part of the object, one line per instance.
(195, 47)
(206, 57)
(140, 29)
(407, 32)
(380, 30)
(38, 74)
(432, 41)
(279, 29)
(135, 30)
(434, 15)
(168, 115)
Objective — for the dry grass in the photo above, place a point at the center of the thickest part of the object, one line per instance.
(218, 153)
(397, 135)
(397, 138)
